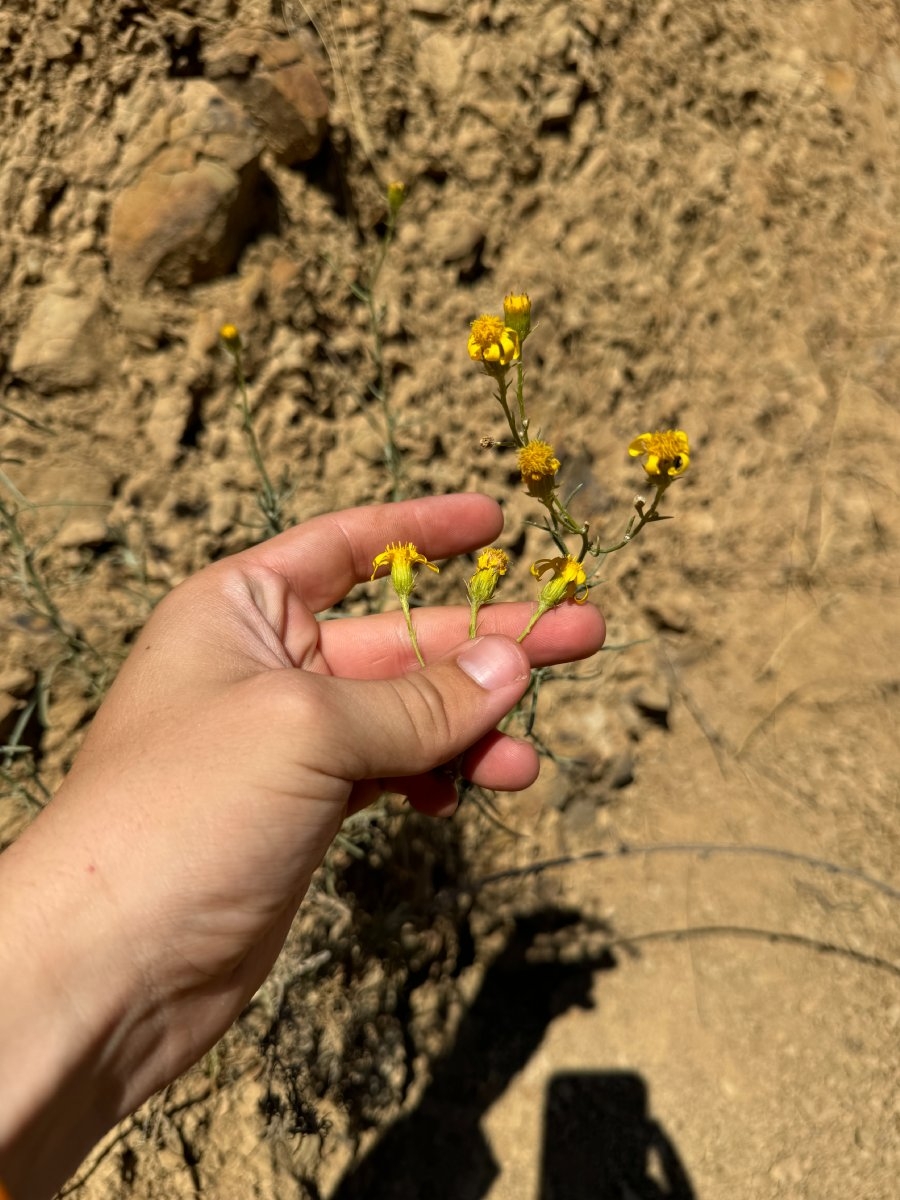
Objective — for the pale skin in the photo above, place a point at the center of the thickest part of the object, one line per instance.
(147, 903)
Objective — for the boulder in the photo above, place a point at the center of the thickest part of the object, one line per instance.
(189, 212)
(271, 80)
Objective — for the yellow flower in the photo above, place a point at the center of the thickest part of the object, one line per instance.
(396, 194)
(492, 563)
(401, 557)
(517, 313)
(230, 336)
(493, 559)
(569, 581)
(668, 453)
(538, 465)
(492, 343)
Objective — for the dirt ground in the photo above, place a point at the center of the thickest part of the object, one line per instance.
(702, 201)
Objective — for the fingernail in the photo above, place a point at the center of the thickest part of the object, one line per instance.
(493, 662)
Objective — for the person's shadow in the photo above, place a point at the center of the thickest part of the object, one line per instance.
(439, 1150)
(600, 1142)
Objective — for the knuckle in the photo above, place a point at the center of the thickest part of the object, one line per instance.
(429, 716)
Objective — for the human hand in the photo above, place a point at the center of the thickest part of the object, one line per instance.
(237, 737)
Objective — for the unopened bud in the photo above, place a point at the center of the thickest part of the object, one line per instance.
(517, 313)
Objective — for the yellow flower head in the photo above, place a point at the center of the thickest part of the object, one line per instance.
(492, 563)
(396, 194)
(493, 559)
(569, 581)
(538, 465)
(230, 336)
(517, 313)
(401, 557)
(668, 453)
(492, 343)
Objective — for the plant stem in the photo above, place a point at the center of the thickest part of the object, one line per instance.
(473, 621)
(539, 612)
(502, 396)
(269, 499)
(404, 604)
(37, 594)
(520, 398)
(632, 530)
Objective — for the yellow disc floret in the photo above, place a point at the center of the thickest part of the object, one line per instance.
(492, 342)
(668, 453)
(493, 559)
(538, 465)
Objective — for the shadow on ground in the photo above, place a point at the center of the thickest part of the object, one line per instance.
(601, 1143)
(597, 1125)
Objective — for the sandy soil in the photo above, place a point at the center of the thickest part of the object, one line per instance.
(702, 202)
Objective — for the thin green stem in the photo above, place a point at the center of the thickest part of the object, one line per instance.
(269, 498)
(561, 515)
(473, 619)
(37, 592)
(503, 397)
(644, 517)
(520, 399)
(539, 612)
(404, 604)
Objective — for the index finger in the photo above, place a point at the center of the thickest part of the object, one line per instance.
(325, 557)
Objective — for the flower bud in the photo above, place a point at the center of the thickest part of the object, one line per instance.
(230, 338)
(517, 313)
(396, 194)
(492, 563)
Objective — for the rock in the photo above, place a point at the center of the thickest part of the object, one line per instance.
(43, 190)
(580, 819)
(57, 43)
(282, 93)
(143, 319)
(188, 214)
(83, 531)
(61, 345)
(558, 109)
(16, 686)
(653, 701)
(167, 422)
(285, 278)
(620, 771)
(457, 237)
(671, 612)
(293, 109)
(439, 59)
(431, 8)
(17, 681)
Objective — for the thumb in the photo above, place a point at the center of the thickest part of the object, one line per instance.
(410, 724)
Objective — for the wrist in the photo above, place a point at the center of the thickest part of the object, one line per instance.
(76, 1021)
